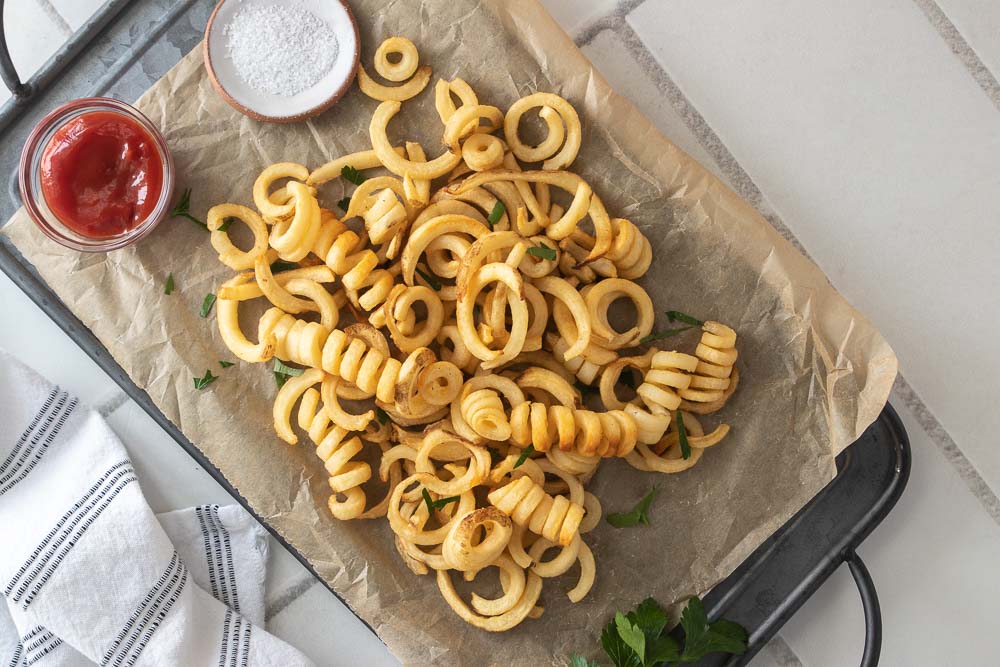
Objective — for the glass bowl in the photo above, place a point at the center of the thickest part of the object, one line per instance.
(33, 198)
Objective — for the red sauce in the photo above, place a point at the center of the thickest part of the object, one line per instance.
(101, 174)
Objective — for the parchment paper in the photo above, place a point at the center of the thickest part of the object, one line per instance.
(815, 372)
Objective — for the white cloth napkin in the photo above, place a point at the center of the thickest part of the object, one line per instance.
(84, 562)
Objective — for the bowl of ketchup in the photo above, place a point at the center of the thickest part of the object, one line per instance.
(96, 175)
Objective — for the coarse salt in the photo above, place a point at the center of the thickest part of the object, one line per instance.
(280, 50)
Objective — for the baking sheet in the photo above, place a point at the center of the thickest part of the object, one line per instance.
(815, 372)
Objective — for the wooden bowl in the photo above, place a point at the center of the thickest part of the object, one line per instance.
(283, 108)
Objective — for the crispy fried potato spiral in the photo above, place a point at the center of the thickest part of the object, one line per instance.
(588, 433)
(557, 519)
(466, 550)
(716, 353)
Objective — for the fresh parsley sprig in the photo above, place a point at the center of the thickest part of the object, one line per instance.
(542, 251)
(431, 280)
(637, 515)
(183, 210)
(496, 213)
(168, 287)
(682, 437)
(202, 382)
(678, 316)
(439, 503)
(353, 175)
(283, 371)
(279, 265)
(225, 364)
(660, 335)
(206, 304)
(525, 453)
(637, 639)
(344, 204)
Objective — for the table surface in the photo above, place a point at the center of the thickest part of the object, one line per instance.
(867, 131)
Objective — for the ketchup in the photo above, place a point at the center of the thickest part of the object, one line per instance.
(101, 174)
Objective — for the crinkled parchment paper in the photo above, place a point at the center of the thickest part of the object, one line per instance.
(815, 373)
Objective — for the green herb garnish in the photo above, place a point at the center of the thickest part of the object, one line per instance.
(283, 371)
(439, 503)
(226, 364)
(525, 453)
(225, 224)
(637, 515)
(169, 286)
(353, 175)
(682, 436)
(584, 389)
(579, 661)
(431, 280)
(658, 335)
(678, 316)
(381, 415)
(637, 639)
(201, 383)
(542, 251)
(206, 304)
(497, 213)
(344, 204)
(281, 265)
(182, 210)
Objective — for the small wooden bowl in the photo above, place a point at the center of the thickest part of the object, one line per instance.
(283, 108)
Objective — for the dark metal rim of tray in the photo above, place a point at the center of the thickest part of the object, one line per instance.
(761, 594)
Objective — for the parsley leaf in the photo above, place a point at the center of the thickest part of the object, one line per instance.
(542, 251)
(678, 316)
(225, 224)
(344, 204)
(525, 453)
(682, 436)
(353, 175)
(182, 210)
(497, 213)
(225, 364)
(702, 637)
(283, 371)
(659, 335)
(579, 661)
(281, 265)
(206, 305)
(637, 515)
(631, 635)
(201, 383)
(381, 415)
(431, 280)
(169, 286)
(636, 639)
(439, 503)
(619, 652)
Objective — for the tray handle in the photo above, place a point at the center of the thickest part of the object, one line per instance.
(873, 612)
(7, 70)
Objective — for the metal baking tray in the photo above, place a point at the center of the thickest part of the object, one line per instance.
(129, 44)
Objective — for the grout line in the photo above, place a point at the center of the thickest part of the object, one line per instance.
(57, 18)
(106, 407)
(940, 436)
(781, 653)
(745, 186)
(288, 596)
(961, 48)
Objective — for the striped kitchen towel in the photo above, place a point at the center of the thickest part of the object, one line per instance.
(85, 563)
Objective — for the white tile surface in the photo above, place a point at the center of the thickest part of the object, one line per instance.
(880, 152)
(28, 334)
(76, 12)
(32, 37)
(933, 561)
(613, 58)
(978, 21)
(573, 15)
(325, 630)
